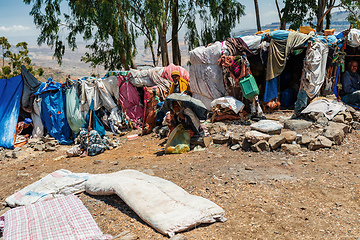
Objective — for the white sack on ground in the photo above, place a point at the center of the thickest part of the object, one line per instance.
(57, 184)
(354, 38)
(315, 68)
(228, 102)
(328, 108)
(161, 203)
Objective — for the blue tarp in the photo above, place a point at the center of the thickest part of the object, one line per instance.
(96, 123)
(53, 115)
(49, 85)
(10, 97)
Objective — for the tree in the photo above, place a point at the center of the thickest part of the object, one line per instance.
(17, 58)
(219, 17)
(5, 46)
(257, 15)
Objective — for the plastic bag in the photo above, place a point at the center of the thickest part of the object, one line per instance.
(179, 140)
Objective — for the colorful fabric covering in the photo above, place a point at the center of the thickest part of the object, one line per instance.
(61, 218)
(10, 97)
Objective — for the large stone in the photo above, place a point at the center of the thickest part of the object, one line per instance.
(335, 134)
(217, 127)
(261, 146)
(202, 141)
(39, 146)
(220, 139)
(323, 121)
(339, 118)
(315, 116)
(47, 138)
(8, 154)
(292, 149)
(347, 115)
(289, 135)
(295, 124)
(50, 149)
(355, 125)
(255, 136)
(356, 116)
(320, 142)
(276, 140)
(267, 126)
(237, 138)
(304, 140)
(342, 126)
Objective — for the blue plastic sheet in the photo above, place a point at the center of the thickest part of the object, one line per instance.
(279, 34)
(271, 89)
(10, 97)
(49, 85)
(53, 116)
(95, 121)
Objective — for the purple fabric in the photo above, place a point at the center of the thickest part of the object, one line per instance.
(129, 99)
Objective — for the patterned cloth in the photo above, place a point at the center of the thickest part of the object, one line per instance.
(96, 143)
(61, 218)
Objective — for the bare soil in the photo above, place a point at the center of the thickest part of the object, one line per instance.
(267, 195)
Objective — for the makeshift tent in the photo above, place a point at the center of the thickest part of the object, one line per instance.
(10, 97)
(53, 111)
(31, 85)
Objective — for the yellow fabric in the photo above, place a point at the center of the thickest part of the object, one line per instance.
(175, 72)
(184, 85)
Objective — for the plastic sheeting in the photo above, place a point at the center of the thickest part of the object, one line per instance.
(73, 110)
(10, 97)
(206, 76)
(228, 102)
(95, 121)
(53, 116)
(129, 99)
(253, 41)
(31, 85)
(49, 85)
(315, 68)
(89, 93)
(140, 78)
(354, 38)
(170, 68)
(38, 127)
(112, 86)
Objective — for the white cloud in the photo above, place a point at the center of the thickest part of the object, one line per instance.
(14, 28)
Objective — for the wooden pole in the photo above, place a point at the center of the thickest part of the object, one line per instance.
(87, 147)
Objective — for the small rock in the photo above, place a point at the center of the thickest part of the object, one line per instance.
(178, 237)
(16, 154)
(292, 149)
(304, 140)
(235, 147)
(342, 126)
(320, 142)
(97, 161)
(267, 126)
(237, 138)
(39, 146)
(110, 148)
(59, 158)
(49, 148)
(296, 124)
(8, 154)
(248, 168)
(335, 134)
(289, 135)
(220, 139)
(115, 162)
(149, 172)
(355, 125)
(315, 116)
(255, 136)
(323, 121)
(261, 146)
(339, 118)
(276, 141)
(347, 115)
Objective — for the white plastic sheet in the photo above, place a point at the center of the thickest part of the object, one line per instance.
(354, 38)
(228, 102)
(315, 68)
(140, 78)
(38, 130)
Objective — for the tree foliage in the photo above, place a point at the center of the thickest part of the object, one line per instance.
(15, 59)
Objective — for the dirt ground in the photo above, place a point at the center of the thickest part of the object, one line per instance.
(267, 195)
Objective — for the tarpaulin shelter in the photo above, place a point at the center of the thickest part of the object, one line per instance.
(31, 85)
(10, 97)
(53, 111)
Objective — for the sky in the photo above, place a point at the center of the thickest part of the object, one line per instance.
(17, 25)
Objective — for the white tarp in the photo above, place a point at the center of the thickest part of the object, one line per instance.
(111, 85)
(228, 102)
(162, 204)
(140, 78)
(38, 130)
(89, 93)
(315, 68)
(354, 38)
(253, 41)
(206, 76)
(328, 108)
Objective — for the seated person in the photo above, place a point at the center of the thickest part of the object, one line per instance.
(186, 117)
(179, 84)
(21, 126)
(351, 84)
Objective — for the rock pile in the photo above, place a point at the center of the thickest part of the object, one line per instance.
(313, 132)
